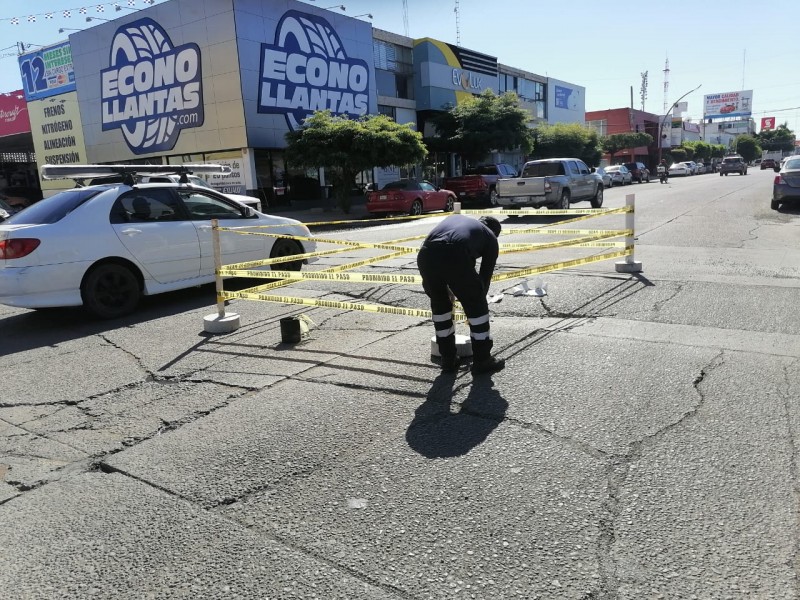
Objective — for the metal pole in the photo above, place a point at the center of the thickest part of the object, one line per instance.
(217, 267)
(629, 265)
(661, 129)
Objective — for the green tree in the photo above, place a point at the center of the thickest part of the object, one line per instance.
(747, 146)
(345, 147)
(621, 141)
(718, 150)
(679, 154)
(781, 138)
(567, 140)
(700, 150)
(482, 124)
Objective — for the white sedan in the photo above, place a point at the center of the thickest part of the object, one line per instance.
(680, 169)
(105, 246)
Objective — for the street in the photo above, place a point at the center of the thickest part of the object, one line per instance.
(642, 441)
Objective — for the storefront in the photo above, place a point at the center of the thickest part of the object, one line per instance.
(210, 82)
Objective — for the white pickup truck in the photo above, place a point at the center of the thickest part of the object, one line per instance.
(553, 182)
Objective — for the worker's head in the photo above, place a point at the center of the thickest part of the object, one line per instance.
(493, 224)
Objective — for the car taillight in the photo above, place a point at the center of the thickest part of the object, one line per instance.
(17, 248)
(547, 187)
(778, 180)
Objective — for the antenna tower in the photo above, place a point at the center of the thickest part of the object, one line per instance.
(405, 17)
(643, 91)
(458, 26)
(666, 86)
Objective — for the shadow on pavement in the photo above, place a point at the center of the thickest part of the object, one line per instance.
(435, 432)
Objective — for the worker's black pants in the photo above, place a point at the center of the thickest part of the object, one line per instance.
(444, 266)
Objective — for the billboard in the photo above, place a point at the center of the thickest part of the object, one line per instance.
(13, 114)
(728, 104)
(47, 72)
(767, 123)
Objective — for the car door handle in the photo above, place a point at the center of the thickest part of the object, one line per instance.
(131, 231)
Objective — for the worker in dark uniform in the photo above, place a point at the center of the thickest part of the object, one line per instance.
(446, 262)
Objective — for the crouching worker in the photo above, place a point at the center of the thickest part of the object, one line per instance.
(446, 263)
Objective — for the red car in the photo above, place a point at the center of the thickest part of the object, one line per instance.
(411, 197)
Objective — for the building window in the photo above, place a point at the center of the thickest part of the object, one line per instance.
(389, 111)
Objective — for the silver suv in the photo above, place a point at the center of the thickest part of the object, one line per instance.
(732, 164)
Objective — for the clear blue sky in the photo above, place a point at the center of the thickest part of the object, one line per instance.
(724, 45)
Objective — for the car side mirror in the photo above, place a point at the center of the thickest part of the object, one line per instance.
(592, 170)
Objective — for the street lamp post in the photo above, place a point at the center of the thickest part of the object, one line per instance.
(661, 127)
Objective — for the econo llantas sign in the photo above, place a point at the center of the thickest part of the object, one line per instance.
(307, 69)
(152, 89)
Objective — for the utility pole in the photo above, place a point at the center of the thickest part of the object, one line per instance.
(667, 113)
(643, 91)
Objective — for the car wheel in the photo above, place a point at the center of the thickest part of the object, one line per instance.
(597, 201)
(563, 201)
(416, 208)
(448, 207)
(774, 205)
(284, 247)
(110, 290)
(493, 198)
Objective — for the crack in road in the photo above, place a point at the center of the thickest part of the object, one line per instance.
(617, 470)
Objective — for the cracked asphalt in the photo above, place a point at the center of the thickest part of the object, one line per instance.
(641, 442)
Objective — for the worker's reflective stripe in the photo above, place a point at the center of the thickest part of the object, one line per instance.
(479, 320)
(443, 317)
(480, 335)
(445, 332)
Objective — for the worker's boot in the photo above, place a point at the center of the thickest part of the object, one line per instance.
(482, 359)
(448, 352)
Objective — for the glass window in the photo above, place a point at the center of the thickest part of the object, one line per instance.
(386, 82)
(573, 167)
(427, 187)
(583, 168)
(146, 206)
(54, 208)
(205, 207)
(389, 111)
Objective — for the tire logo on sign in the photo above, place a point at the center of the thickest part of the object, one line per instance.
(152, 90)
(307, 69)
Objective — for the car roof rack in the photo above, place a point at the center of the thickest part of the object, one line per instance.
(80, 172)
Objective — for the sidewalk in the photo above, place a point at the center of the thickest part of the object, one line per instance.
(321, 210)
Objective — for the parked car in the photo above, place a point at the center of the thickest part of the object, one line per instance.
(700, 168)
(606, 177)
(106, 246)
(5, 210)
(479, 184)
(19, 197)
(552, 182)
(620, 175)
(692, 166)
(679, 169)
(786, 186)
(411, 197)
(639, 171)
(768, 163)
(732, 164)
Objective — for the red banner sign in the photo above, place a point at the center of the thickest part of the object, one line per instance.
(14, 114)
(767, 123)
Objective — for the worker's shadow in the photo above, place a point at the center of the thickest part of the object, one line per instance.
(438, 432)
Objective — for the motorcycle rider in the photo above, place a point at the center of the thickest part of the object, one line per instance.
(663, 175)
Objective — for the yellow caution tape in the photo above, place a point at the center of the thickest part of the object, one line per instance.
(506, 248)
(616, 232)
(547, 211)
(320, 276)
(561, 265)
(375, 308)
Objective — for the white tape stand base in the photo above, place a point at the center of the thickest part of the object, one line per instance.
(226, 324)
(628, 267)
(463, 346)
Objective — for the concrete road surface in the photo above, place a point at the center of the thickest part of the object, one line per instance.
(641, 442)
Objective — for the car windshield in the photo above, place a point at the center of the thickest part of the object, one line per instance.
(4, 206)
(792, 164)
(613, 169)
(55, 208)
